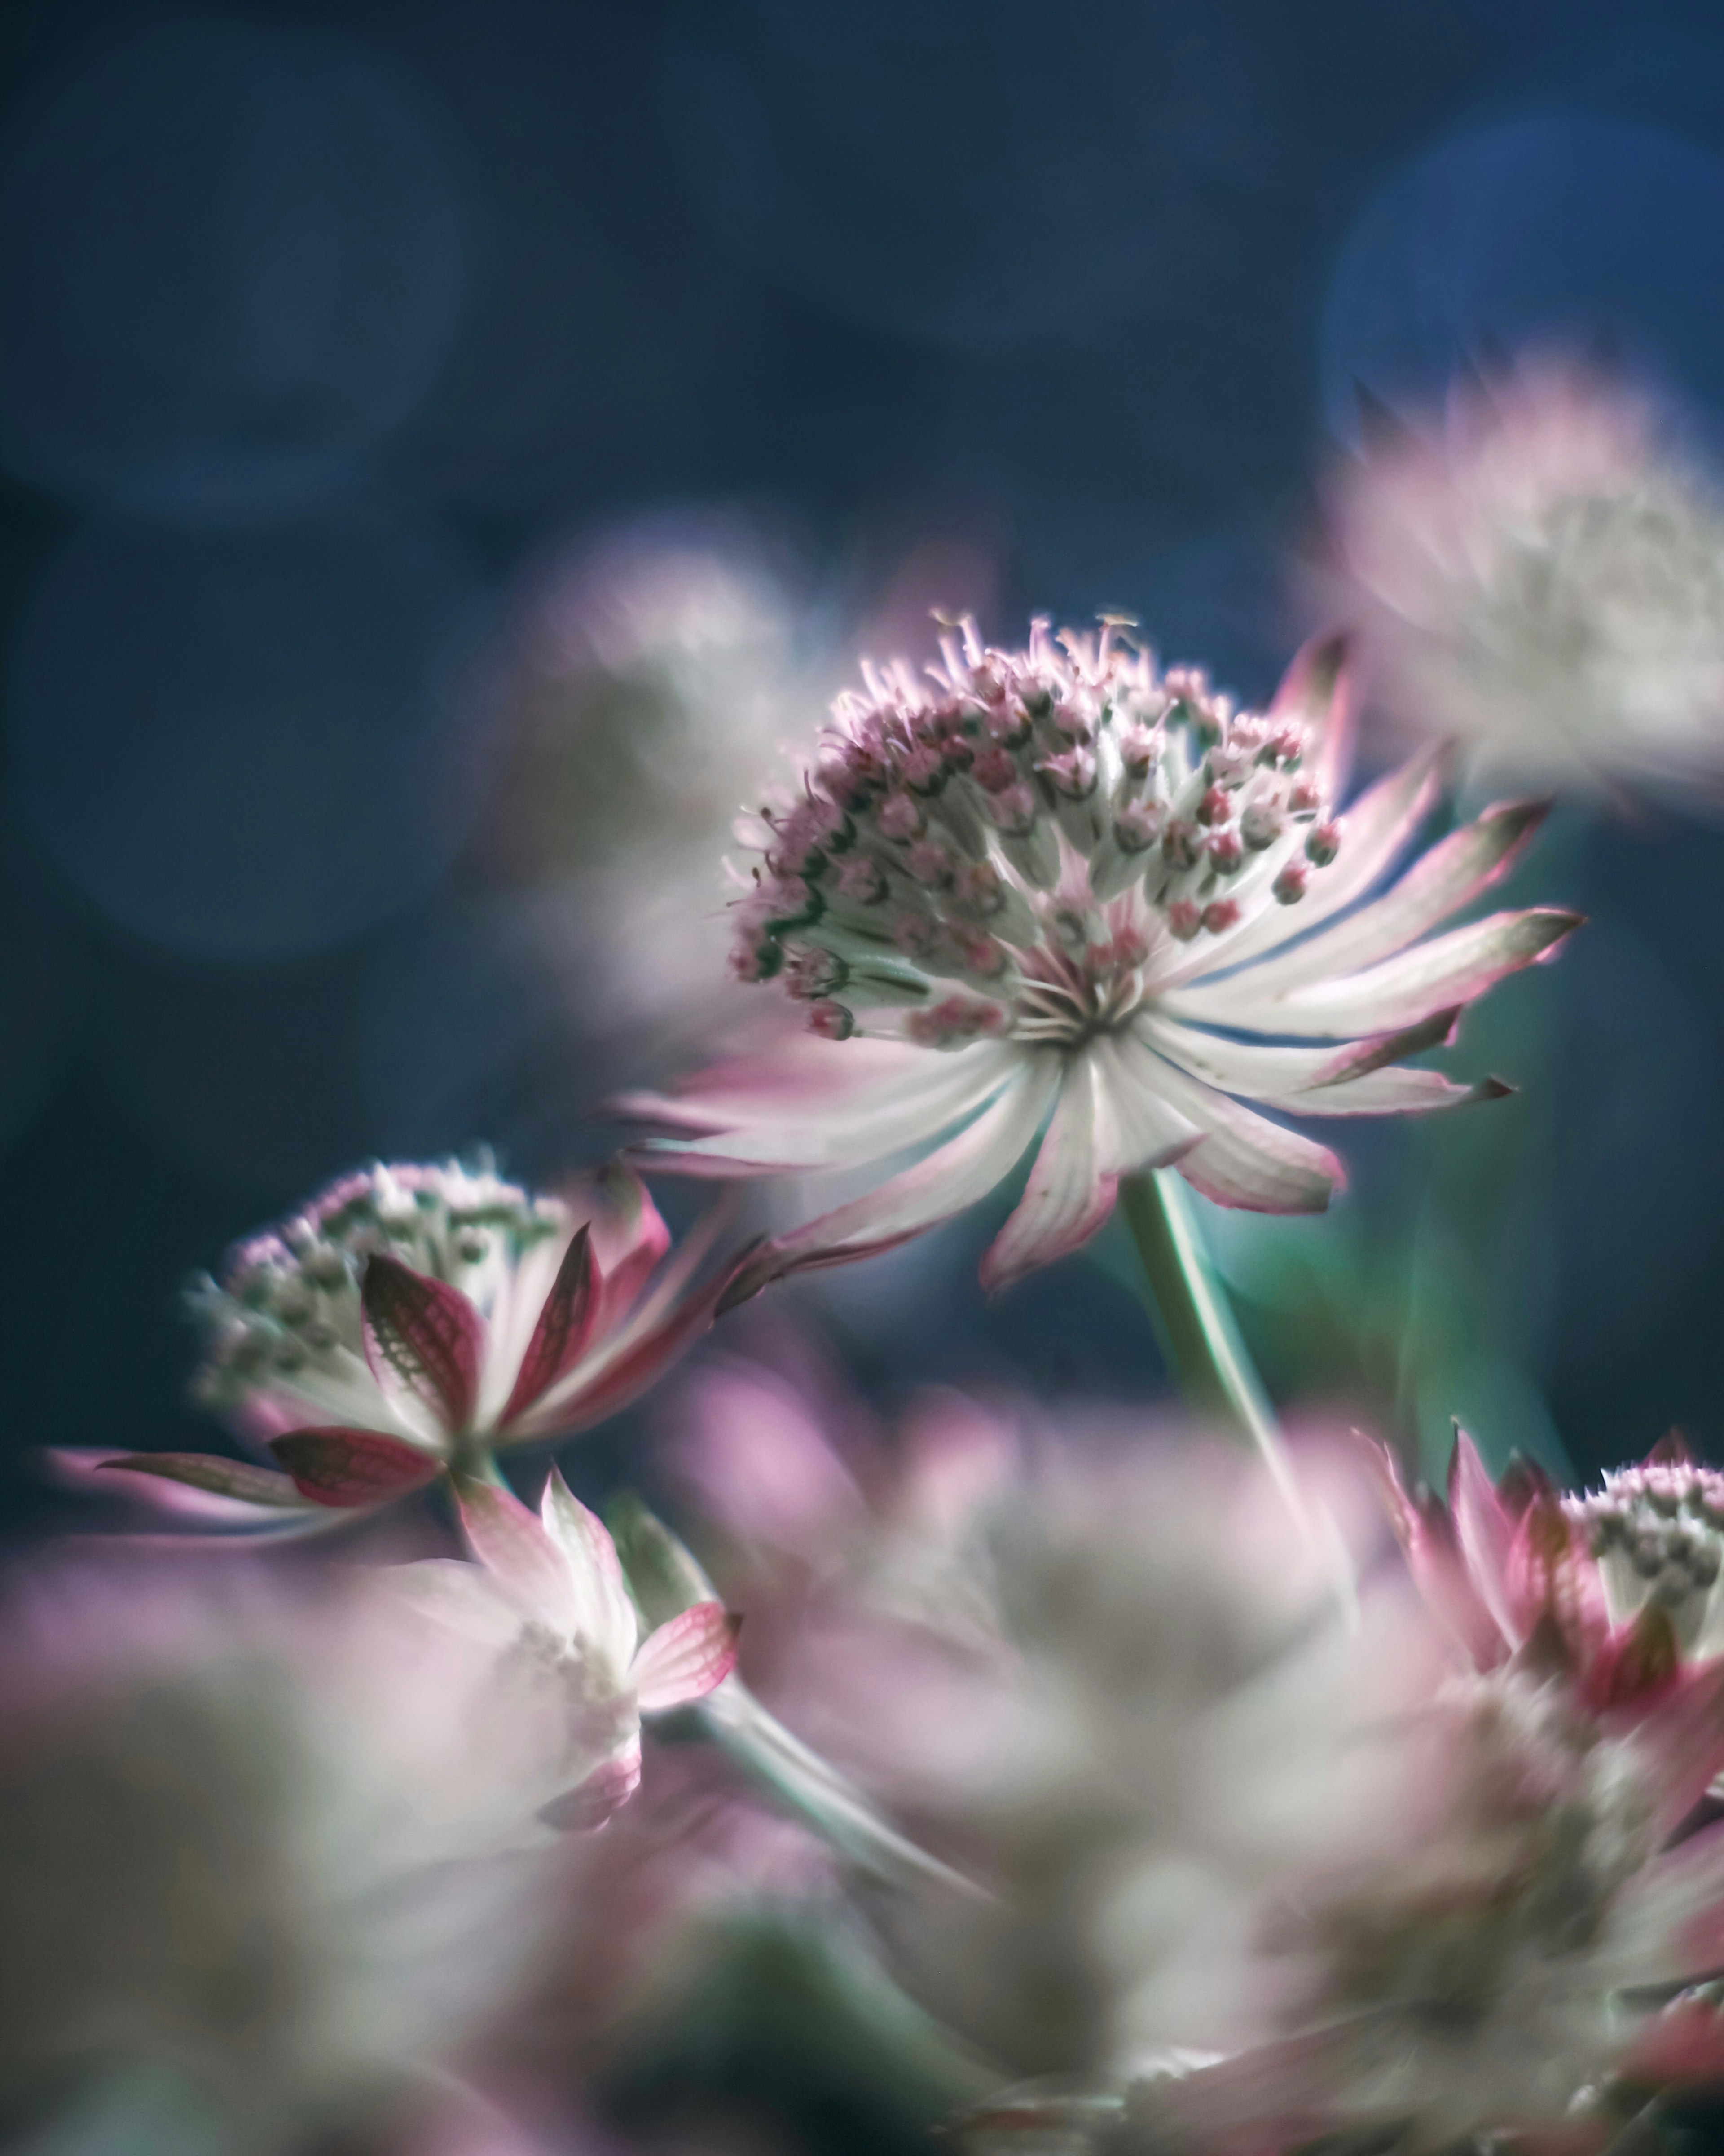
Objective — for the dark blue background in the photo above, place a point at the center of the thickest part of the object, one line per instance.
(318, 324)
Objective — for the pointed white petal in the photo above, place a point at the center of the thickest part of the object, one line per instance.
(1148, 1131)
(1317, 1081)
(953, 1177)
(464, 1597)
(1242, 1160)
(1071, 1186)
(837, 1116)
(1438, 883)
(603, 1610)
(1448, 970)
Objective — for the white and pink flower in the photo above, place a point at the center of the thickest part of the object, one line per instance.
(412, 1320)
(1058, 887)
(548, 1599)
(1537, 571)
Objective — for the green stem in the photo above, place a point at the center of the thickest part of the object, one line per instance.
(1194, 1324)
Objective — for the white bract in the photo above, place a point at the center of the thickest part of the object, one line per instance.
(1058, 887)
(547, 1597)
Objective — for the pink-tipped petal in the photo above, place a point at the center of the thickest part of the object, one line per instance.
(1682, 2046)
(1071, 1188)
(1426, 1529)
(629, 1237)
(423, 1340)
(606, 1382)
(191, 1485)
(840, 1123)
(685, 1659)
(1244, 1161)
(597, 1799)
(1451, 876)
(1448, 970)
(1486, 1534)
(349, 1468)
(511, 1545)
(1148, 1131)
(1360, 1080)
(565, 1325)
(952, 1177)
(598, 1599)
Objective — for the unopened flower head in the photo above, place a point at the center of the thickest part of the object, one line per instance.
(1539, 571)
(1044, 881)
(414, 1317)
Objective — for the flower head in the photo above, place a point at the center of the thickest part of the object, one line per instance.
(548, 1595)
(1038, 883)
(1620, 1586)
(413, 1318)
(1540, 574)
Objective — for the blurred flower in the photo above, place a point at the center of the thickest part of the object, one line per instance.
(1338, 1876)
(1542, 576)
(548, 1596)
(1620, 1583)
(413, 1318)
(268, 1858)
(1101, 864)
(646, 672)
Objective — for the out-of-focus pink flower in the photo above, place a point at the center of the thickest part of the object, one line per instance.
(1270, 1873)
(1620, 1586)
(1044, 879)
(547, 1597)
(269, 1853)
(1539, 572)
(414, 1318)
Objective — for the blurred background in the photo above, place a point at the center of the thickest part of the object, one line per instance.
(445, 450)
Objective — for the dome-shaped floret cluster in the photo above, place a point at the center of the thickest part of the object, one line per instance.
(1657, 1534)
(289, 1301)
(1020, 845)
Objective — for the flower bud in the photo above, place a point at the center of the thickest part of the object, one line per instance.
(1291, 884)
(1184, 919)
(1221, 913)
(1322, 843)
(1225, 852)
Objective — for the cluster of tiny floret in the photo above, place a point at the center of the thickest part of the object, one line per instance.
(291, 1296)
(1665, 1519)
(1030, 827)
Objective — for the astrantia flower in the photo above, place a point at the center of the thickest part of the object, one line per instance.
(547, 1597)
(270, 1856)
(412, 1319)
(1347, 1880)
(1043, 883)
(1622, 1583)
(1539, 572)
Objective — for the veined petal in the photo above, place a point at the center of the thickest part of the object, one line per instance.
(1451, 874)
(509, 1542)
(1242, 1160)
(953, 1177)
(199, 1484)
(1259, 1071)
(596, 1800)
(423, 1340)
(1148, 1131)
(1448, 970)
(598, 1599)
(1377, 827)
(1071, 1186)
(684, 1659)
(564, 1325)
(348, 1468)
(627, 1233)
(621, 1369)
(845, 1124)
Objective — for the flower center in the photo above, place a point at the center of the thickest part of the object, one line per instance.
(1021, 846)
(1657, 1532)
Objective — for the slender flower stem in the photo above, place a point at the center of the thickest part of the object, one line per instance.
(1189, 1310)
